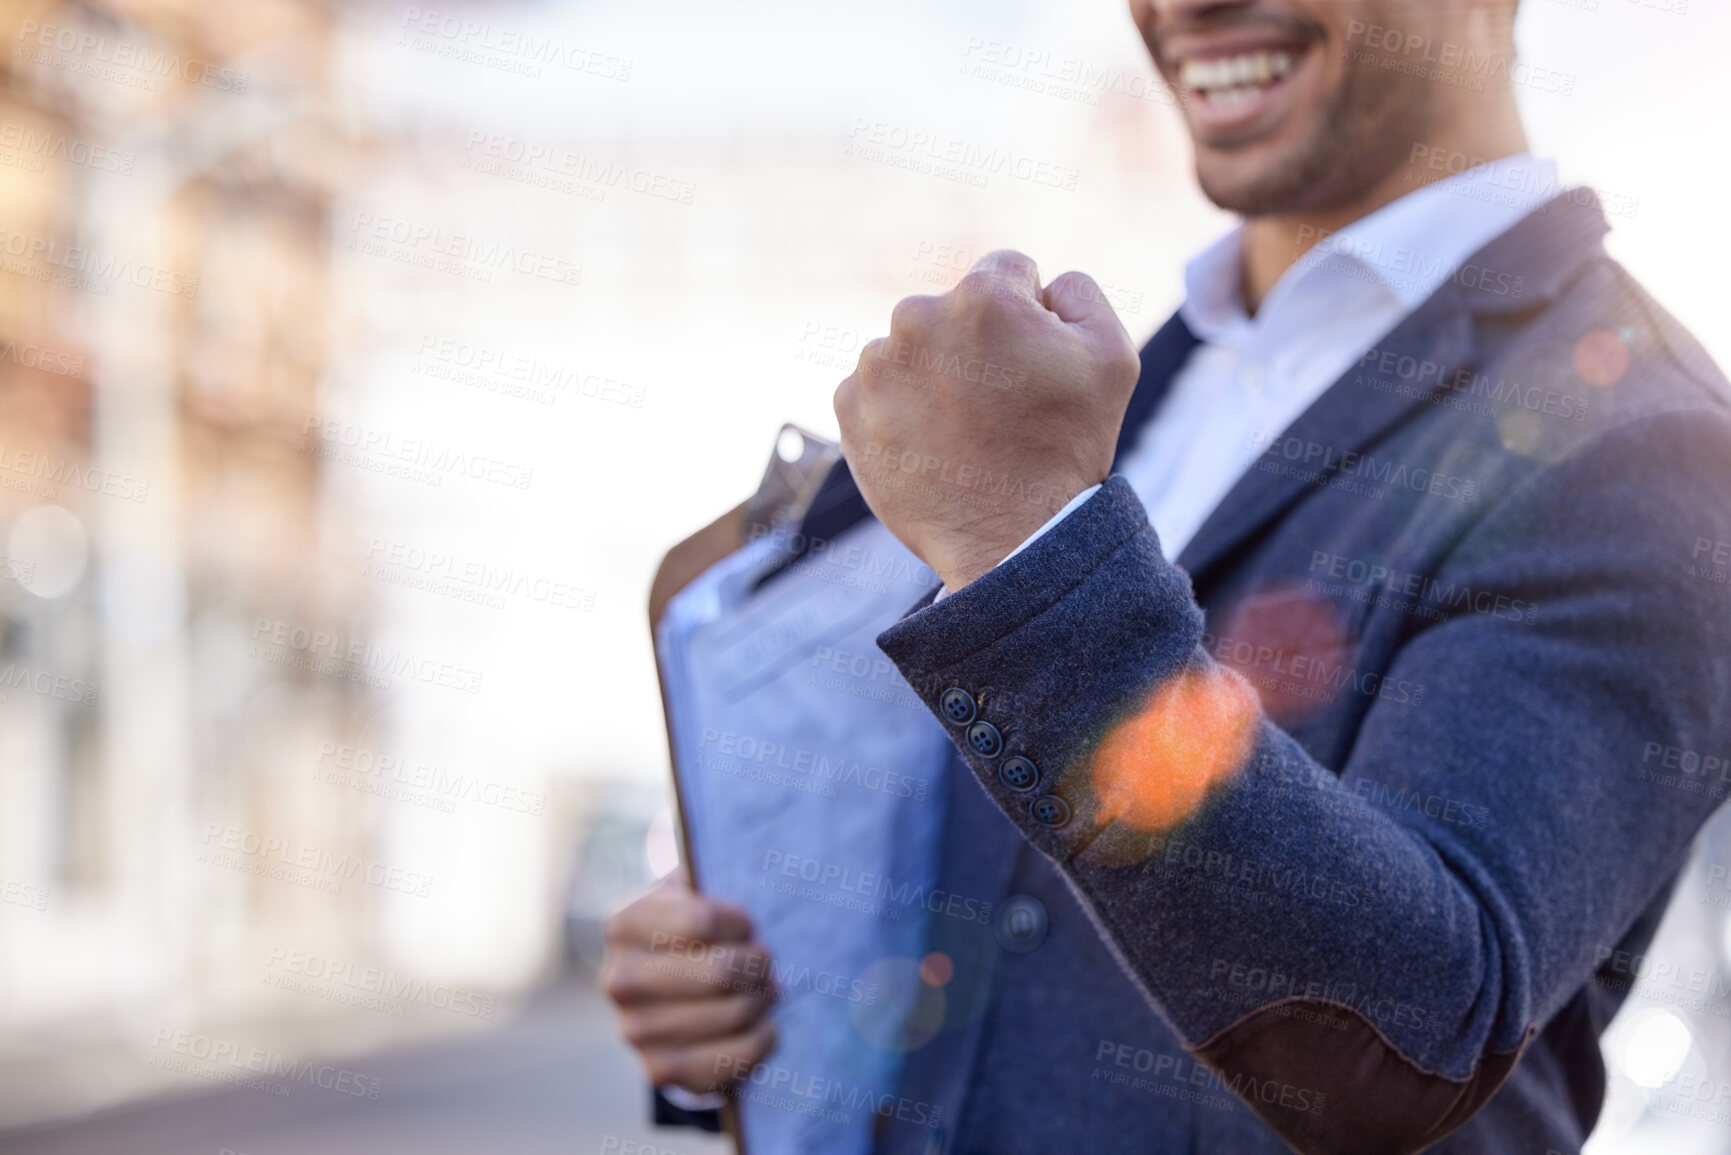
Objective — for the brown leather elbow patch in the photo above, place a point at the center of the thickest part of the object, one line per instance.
(1328, 1082)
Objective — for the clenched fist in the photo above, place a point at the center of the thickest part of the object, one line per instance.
(985, 410)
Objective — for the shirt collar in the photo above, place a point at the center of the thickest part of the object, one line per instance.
(1410, 246)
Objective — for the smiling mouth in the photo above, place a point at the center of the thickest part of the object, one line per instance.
(1231, 83)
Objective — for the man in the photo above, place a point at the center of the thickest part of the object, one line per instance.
(1326, 712)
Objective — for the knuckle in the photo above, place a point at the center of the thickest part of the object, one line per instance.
(975, 288)
(910, 313)
(614, 983)
(747, 1011)
(635, 1029)
(760, 1043)
(689, 917)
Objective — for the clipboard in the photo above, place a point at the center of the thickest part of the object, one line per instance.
(794, 740)
(793, 475)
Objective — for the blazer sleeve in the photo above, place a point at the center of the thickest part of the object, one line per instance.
(1363, 975)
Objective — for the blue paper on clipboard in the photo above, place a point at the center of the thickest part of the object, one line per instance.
(812, 783)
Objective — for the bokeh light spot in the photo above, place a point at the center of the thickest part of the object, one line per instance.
(1155, 768)
(1293, 647)
(48, 550)
(1654, 1047)
(907, 1012)
(937, 970)
(1601, 358)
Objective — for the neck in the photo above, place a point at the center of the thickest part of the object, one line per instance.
(1274, 243)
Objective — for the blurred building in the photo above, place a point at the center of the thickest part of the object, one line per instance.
(166, 174)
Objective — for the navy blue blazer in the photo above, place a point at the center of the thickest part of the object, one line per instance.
(1337, 818)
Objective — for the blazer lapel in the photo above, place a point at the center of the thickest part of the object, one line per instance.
(1544, 248)
(1344, 420)
(1162, 357)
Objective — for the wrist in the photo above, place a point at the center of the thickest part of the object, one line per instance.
(971, 552)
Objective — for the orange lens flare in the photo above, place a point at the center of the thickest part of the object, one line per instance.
(1156, 767)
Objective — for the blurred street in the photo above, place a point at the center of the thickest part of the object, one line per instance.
(553, 1079)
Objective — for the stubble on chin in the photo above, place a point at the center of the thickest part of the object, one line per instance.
(1366, 133)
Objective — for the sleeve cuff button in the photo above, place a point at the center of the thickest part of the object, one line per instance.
(957, 706)
(1018, 773)
(984, 739)
(1049, 810)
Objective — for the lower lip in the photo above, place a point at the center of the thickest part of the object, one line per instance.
(1216, 118)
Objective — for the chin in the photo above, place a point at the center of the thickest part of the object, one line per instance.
(1270, 187)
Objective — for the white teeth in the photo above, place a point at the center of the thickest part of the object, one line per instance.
(1233, 79)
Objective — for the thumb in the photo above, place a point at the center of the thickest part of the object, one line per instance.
(1078, 300)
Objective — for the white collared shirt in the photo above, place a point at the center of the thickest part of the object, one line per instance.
(1251, 377)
